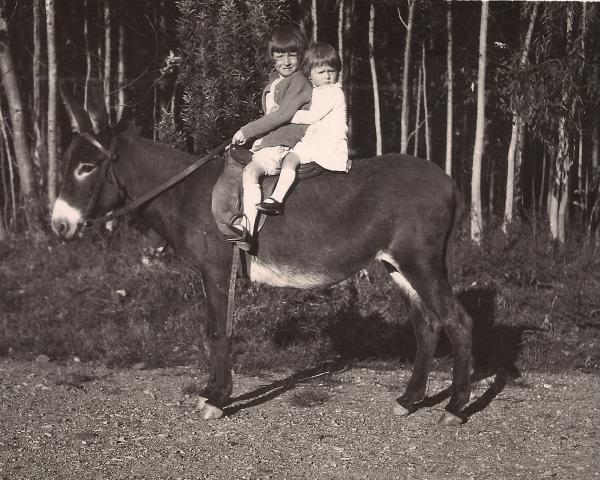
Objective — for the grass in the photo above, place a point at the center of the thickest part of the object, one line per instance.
(119, 301)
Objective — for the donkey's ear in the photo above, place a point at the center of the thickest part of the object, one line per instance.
(80, 120)
(97, 107)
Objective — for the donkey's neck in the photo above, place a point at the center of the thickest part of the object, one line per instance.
(146, 165)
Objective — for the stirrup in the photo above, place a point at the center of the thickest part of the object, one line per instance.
(242, 235)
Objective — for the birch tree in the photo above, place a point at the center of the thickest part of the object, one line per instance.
(379, 148)
(405, 78)
(313, 14)
(107, 55)
(450, 92)
(38, 130)
(476, 210)
(19, 131)
(517, 126)
(347, 54)
(52, 98)
(121, 70)
(426, 109)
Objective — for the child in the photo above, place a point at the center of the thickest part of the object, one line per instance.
(286, 93)
(325, 141)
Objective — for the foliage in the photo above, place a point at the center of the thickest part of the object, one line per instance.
(120, 301)
(223, 66)
(558, 81)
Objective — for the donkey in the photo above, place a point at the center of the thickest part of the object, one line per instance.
(395, 209)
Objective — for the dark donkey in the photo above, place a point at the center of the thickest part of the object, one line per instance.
(394, 208)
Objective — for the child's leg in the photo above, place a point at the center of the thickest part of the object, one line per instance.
(252, 192)
(287, 177)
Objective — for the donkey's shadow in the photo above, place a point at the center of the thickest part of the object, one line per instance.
(495, 352)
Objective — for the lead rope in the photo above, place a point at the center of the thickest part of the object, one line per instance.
(235, 265)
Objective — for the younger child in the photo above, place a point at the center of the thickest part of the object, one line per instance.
(325, 141)
(287, 92)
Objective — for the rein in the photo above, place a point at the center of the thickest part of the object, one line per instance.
(111, 156)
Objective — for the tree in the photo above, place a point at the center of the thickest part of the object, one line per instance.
(450, 92)
(38, 124)
(476, 211)
(372, 63)
(517, 125)
(19, 131)
(406, 77)
(52, 99)
(223, 66)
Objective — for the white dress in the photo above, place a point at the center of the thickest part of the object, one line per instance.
(325, 141)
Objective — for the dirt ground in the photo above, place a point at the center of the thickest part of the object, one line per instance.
(90, 422)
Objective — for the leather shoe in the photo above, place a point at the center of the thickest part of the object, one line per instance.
(270, 206)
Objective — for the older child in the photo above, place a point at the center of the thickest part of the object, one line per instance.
(325, 141)
(287, 92)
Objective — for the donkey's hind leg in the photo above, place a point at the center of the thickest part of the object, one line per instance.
(428, 277)
(426, 328)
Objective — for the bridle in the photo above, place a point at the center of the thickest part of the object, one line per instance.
(107, 172)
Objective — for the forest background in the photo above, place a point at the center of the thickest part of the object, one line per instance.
(502, 95)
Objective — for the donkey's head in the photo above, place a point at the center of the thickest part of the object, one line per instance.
(89, 186)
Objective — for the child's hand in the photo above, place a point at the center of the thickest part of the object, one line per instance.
(238, 138)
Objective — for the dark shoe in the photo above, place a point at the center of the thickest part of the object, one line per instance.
(270, 207)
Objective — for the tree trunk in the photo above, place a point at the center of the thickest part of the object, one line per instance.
(450, 100)
(313, 14)
(107, 57)
(379, 148)
(19, 132)
(121, 70)
(476, 210)
(348, 59)
(52, 98)
(88, 53)
(340, 33)
(9, 188)
(564, 161)
(517, 126)
(38, 135)
(405, 79)
(417, 129)
(426, 110)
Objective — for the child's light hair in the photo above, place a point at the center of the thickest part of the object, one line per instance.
(287, 38)
(320, 54)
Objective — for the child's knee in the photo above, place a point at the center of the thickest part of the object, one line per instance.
(251, 173)
(291, 160)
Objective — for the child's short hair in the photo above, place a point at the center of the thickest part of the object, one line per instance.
(319, 54)
(287, 38)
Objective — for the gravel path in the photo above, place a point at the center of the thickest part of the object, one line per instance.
(82, 421)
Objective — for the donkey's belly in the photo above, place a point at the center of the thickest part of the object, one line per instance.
(281, 275)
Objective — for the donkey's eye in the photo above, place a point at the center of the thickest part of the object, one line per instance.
(85, 169)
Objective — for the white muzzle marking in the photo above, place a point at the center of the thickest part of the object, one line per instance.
(65, 219)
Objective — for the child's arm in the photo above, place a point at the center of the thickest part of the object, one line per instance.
(324, 100)
(297, 94)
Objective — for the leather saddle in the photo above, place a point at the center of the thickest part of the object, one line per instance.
(227, 191)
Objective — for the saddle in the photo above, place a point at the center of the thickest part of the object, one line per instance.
(227, 192)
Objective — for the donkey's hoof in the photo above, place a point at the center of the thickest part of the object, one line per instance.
(448, 418)
(210, 412)
(400, 411)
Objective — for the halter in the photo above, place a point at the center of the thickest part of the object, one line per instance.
(107, 171)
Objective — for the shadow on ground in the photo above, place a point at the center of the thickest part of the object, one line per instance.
(354, 337)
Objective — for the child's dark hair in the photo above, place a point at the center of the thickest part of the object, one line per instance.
(318, 54)
(287, 38)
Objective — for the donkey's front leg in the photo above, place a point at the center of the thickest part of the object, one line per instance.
(218, 388)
